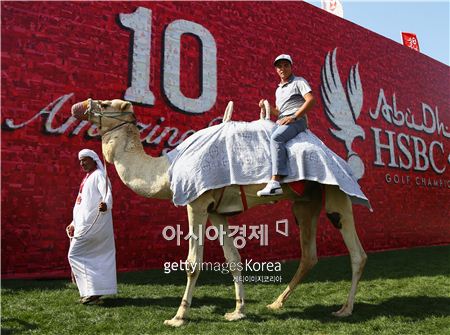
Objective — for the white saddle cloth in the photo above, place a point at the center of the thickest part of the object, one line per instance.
(238, 153)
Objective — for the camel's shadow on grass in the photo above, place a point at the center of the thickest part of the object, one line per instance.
(415, 308)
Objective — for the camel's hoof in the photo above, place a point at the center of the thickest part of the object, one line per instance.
(342, 313)
(275, 305)
(175, 322)
(233, 316)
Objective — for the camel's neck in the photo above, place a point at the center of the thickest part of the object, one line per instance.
(145, 175)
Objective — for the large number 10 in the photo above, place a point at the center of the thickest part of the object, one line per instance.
(141, 23)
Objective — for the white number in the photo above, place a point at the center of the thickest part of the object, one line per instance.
(140, 22)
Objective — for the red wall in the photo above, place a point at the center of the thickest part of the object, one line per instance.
(53, 49)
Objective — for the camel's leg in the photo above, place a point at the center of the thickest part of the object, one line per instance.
(306, 214)
(339, 211)
(233, 259)
(197, 215)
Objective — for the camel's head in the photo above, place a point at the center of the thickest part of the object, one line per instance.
(105, 114)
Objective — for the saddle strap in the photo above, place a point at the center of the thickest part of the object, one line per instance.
(243, 197)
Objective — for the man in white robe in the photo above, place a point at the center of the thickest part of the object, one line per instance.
(92, 253)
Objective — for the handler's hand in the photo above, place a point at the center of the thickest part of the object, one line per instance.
(70, 230)
(284, 121)
(102, 207)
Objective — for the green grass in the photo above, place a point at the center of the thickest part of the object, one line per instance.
(402, 292)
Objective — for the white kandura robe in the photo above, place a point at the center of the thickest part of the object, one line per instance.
(92, 252)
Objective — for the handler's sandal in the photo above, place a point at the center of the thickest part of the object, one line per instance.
(272, 188)
(92, 300)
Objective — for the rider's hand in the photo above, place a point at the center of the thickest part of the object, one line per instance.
(284, 121)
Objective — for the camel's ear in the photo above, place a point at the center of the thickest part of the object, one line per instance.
(125, 105)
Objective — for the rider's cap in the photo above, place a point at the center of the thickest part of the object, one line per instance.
(283, 57)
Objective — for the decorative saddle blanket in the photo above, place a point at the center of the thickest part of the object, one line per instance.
(238, 153)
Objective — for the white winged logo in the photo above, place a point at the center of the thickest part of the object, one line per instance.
(343, 108)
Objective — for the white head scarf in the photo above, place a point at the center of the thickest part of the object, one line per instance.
(94, 156)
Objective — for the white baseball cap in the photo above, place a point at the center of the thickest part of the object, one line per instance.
(283, 57)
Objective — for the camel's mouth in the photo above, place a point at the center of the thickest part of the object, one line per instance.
(79, 110)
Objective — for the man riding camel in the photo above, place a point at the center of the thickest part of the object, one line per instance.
(293, 99)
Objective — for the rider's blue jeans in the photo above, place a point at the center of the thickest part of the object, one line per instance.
(278, 140)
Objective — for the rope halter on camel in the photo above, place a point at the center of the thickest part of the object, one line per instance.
(96, 108)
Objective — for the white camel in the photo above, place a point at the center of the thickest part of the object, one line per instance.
(148, 176)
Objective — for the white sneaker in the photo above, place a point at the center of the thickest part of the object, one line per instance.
(272, 188)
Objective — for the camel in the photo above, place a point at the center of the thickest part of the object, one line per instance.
(148, 176)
